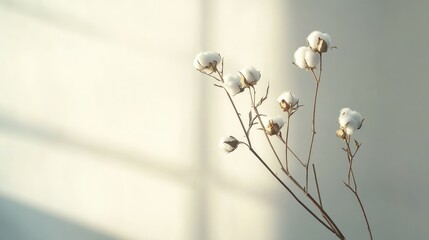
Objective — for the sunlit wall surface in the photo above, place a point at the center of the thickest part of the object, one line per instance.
(107, 132)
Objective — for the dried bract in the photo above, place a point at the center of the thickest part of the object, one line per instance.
(273, 125)
(318, 41)
(288, 102)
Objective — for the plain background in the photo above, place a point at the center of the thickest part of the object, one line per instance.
(107, 132)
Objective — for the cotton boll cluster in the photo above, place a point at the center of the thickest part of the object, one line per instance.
(349, 121)
(246, 77)
(273, 125)
(288, 102)
(308, 57)
(207, 61)
(228, 144)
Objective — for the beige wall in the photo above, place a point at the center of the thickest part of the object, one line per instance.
(106, 131)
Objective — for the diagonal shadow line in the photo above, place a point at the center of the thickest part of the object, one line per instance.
(112, 153)
(189, 176)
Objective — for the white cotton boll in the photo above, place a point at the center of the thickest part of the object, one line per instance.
(345, 116)
(344, 110)
(232, 84)
(288, 102)
(279, 121)
(197, 64)
(327, 39)
(249, 76)
(348, 123)
(289, 98)
(313, 39)
(312, 59)
(350, 120)
(206, 59)
(213, 57)
(228, 144)
(342, 120)
(358, 119)
(299, 57)
(351, 127)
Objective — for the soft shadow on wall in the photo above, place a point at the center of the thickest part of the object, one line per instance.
(19, 221)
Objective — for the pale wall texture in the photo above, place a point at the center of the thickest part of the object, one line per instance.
(107, 132)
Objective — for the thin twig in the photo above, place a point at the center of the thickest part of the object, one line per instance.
(286, 141)
(317, 185)
(217, 79)
(313, 132)
(263, 127)
(290, 150)
(235, 109)
(350, 157)
(317, 79)
(363, 210)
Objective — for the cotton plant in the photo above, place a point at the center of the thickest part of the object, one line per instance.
(309, 58)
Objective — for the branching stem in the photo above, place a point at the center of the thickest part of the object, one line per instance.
(313, 129)
(252, 98)
(350, 180)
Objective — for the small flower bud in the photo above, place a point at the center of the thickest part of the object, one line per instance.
(228, 144)
(350, 120)
(207, 61)
(232, 84)
(288, 102)
(306, 58)
(319, 42)
(273, 125)
(341, 134)
(249, 76)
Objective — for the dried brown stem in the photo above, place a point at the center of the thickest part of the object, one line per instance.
(329, 224)
(350, 157)
(322, 211)
(338, 234)
(286, 142)
(317, 185)
(362, 209)
(255, 108)
(235, 108)
(313, 130)
(290, 150)
(334, 227)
